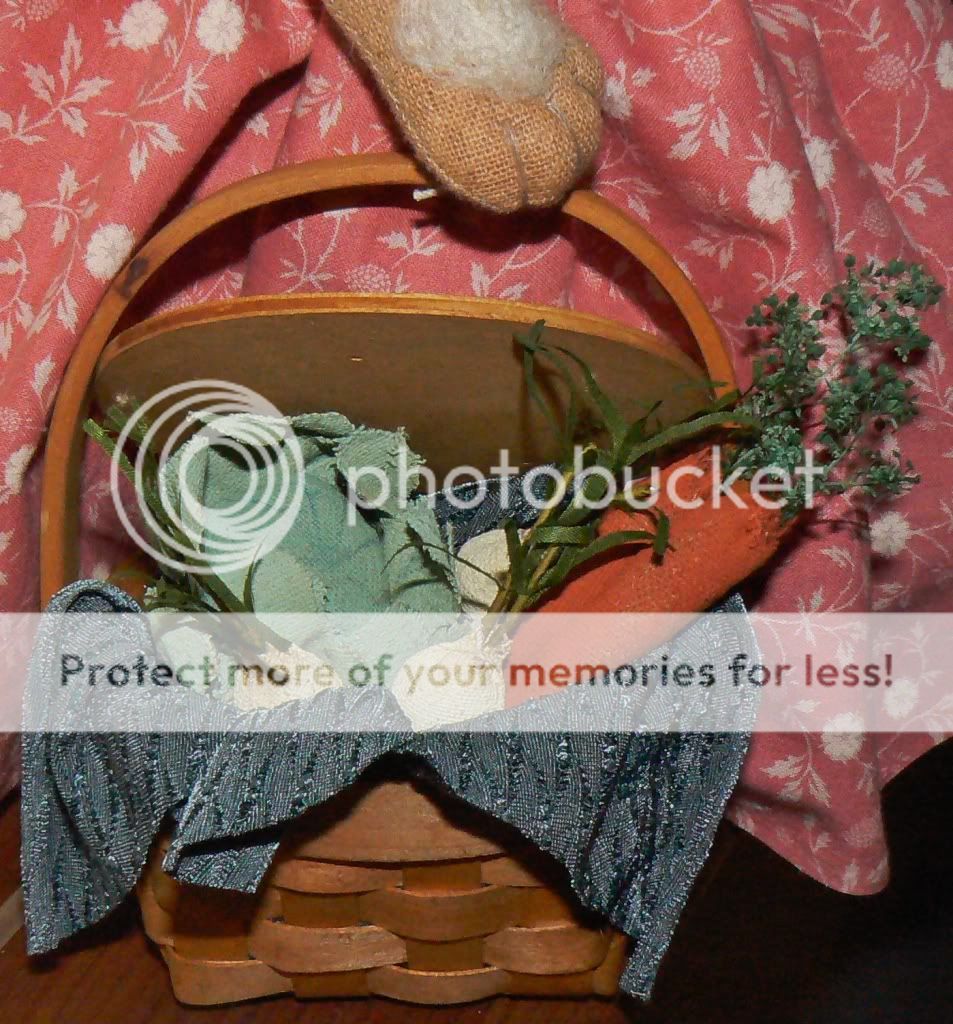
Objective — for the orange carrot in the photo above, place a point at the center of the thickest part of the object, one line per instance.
(712, 550)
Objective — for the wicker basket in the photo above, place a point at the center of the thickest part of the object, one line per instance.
(391, 890)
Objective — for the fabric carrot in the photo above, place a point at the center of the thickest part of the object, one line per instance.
(712, 549)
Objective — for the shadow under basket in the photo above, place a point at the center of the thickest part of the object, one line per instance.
(392, 889)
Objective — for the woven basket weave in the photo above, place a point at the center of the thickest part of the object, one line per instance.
(384, 892)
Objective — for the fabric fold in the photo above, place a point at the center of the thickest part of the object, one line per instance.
(630, 815)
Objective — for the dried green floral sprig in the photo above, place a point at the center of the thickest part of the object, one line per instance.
(856, 393)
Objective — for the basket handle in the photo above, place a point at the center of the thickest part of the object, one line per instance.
(59, 519)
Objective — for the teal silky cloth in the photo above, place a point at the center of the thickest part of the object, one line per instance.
(630, 815)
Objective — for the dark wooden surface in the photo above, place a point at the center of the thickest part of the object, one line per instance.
(761, 943)
(9, 846)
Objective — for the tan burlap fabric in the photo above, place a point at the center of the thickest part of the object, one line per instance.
(499, 153)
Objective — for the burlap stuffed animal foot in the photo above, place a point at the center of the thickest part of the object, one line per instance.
(498, 98)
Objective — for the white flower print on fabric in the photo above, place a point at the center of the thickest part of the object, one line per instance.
(221, 27)
(107, 250)
(889, 534)
(9, 419)
(888, 72)
(876, 218)
(12, 215)
(21, 13)
(810, 77)
(842, 737)
(864, 833)
(702, 67)
(820, 156)
(616, 97)
(40, 10)
(143, 25)
(901, 697)
(100, 571)
(944, 64)
(770, 193)
(368, 278)
(616, 102)
(14, 472)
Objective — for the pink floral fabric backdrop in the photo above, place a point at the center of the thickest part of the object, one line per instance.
(760, 141)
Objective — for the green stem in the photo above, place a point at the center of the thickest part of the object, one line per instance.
(505, 600)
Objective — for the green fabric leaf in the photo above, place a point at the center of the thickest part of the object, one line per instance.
(573, 535)
(662, 530)
(335, 557)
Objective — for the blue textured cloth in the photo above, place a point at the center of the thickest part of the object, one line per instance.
(631, 815)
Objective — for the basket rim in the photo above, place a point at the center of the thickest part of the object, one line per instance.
(399, 304)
